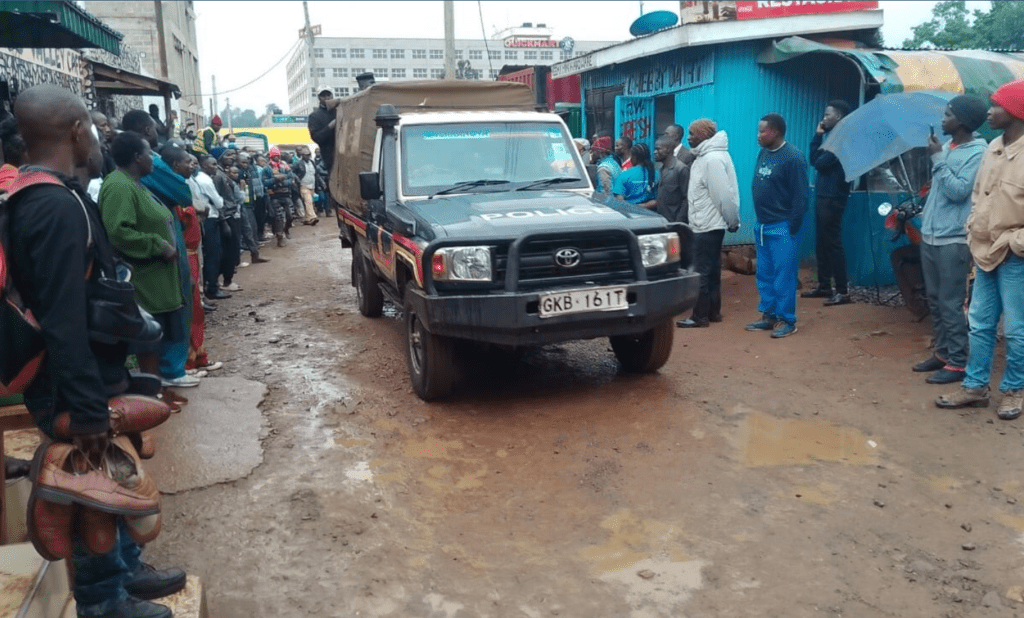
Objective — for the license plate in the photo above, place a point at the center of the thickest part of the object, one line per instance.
(583, 301)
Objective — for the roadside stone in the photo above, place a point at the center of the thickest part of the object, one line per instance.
(966, 527)
(646, 574)
(991, 599)
(922, 567)
(968, 547)
(879, 504)
(1015, 594)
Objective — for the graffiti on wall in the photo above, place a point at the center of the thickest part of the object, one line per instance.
(635, 118)
(23, 68)
(670, 76)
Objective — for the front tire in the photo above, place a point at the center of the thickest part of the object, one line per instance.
(365, 281)
(431, 358)
(646, 352)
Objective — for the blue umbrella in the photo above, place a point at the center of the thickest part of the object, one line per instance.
(885, 128)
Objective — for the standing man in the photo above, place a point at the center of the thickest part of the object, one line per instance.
(321, 124)
(207, 140)
(277, 180)
(674, 132)
(212, 245)
(714, 207)
(305, 171)
(830, 193)
(995, 234)
(50, 253)
(675, 176)
(945, 256)
(230, 221)
(780, 203)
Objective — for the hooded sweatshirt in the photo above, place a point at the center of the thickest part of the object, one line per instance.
(713, 193)
(944, 220)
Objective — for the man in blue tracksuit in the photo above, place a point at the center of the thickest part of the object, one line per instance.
(780, 190)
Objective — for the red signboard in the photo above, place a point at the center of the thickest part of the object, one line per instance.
(761, 10)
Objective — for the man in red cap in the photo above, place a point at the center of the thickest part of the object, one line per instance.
(995, 234)
(207, 139)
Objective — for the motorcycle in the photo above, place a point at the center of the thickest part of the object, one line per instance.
(906, 260)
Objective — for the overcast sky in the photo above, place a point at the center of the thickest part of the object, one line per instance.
(240, 41)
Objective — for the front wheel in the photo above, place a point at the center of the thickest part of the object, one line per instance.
(646, 352)
(365, 281)
(430, 357)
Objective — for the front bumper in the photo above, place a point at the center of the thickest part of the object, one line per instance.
(511, 319)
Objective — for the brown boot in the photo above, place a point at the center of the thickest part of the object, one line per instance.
(964, 398)
(128, 414)
(49, 527)
(1010, 407)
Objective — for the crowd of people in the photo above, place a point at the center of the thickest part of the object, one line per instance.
(174, 217)
(972, 250)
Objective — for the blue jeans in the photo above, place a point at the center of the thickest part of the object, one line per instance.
(777, 253)
(997, 293)
(99, 580)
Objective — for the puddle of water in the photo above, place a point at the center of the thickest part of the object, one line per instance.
(631, 541)
(771, 441)
(346, 441)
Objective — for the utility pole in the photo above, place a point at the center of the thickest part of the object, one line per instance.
(313, 77)
(449, 39)
(213, 112)
(227, 104)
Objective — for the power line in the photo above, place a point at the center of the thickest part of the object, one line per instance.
(253, 81)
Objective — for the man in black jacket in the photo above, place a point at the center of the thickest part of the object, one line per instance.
(321, 124)
(831, 190)
(49, 230)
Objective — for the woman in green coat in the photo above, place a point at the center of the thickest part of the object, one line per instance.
(141, 230)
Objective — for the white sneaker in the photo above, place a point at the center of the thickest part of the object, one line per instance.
(243, 265)
(213, 366)
(185, 381)
(233, 288)
(196, 373)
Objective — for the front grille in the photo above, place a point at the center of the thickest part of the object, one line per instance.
(604, 257)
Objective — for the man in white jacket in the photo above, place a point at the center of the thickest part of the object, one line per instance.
(714, 205)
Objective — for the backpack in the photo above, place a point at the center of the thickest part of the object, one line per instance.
(22, 348)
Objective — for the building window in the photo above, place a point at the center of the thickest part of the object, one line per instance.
(529, 55)
(340, 91)
(318, 53)
(356, 72)
(380, 73)
(436, 73)
(337, 53)
(419, 73)
(380, 53)
(437, 54)
(476, 54)
(566, 55)
(494, 73)
(398, 54)
(511, 54)
(546, 55)
(419, 54)
(340, 72)
(494, 55)
(320, 72)
(398, 73)
(355, 52)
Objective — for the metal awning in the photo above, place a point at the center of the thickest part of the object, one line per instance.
(54, 25)
(112, 80)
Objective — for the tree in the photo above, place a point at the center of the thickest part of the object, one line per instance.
(952, 26)
(239, 118)
(272, 108)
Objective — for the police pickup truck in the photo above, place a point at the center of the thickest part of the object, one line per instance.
(474, 214)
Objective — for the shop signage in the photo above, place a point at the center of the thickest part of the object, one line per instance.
(673, 76)
(704, 12)
(572, 67)
(276, 119)
(518, 42)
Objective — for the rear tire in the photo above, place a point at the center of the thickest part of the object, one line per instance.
(431, 358)
(368, 294)
(646, 352)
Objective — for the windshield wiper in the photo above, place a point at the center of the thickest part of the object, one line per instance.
(543, 182)
(469, 184)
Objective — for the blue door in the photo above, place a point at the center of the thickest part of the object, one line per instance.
(634, 118)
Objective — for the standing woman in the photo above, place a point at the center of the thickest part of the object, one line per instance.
(638, 184)
(141, 232)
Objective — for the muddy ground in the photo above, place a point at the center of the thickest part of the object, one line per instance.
(809, 476)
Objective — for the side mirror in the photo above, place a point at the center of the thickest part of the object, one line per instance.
(401, 225)
(369, 185)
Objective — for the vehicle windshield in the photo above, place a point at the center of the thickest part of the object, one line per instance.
(487, 157)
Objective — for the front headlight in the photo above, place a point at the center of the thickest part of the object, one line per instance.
(462, 264)
(659, 249)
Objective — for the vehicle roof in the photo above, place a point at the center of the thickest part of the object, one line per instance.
(477, 116)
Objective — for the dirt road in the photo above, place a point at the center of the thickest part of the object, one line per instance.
(809, 476)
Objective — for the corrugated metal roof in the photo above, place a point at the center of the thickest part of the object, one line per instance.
(47, 24)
